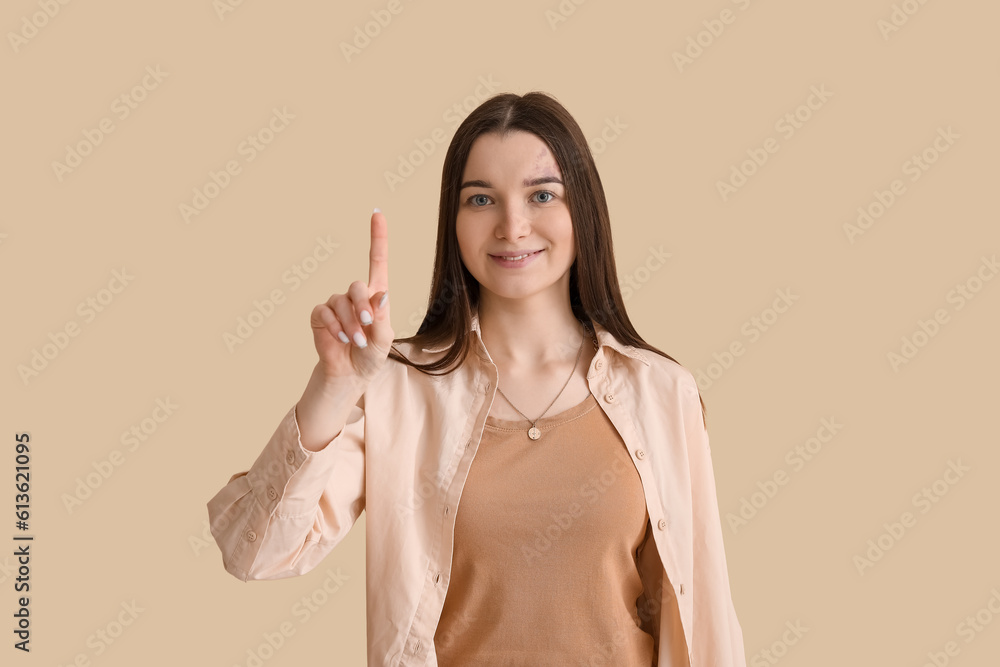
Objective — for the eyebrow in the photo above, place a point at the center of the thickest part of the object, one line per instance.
(528, 182)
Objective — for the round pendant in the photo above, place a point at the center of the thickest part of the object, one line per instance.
(534, 433)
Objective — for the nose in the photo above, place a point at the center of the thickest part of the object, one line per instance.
(513, 223)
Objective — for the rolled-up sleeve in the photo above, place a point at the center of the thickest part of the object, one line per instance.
(281, 517)
(718, 637)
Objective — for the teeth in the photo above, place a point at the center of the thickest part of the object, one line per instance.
(514, 259)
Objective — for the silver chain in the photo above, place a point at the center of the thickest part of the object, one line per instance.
(586, 330)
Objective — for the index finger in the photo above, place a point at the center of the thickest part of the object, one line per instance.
(378, 255)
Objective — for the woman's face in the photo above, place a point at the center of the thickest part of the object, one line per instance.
(513, 203)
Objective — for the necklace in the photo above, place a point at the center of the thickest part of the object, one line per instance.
(534, 432)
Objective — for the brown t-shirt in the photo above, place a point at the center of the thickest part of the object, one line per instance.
(546, 532)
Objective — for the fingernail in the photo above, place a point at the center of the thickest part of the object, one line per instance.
(343, 337)
(366, 317)
(381, 302)
(359, 340)
(377, 210)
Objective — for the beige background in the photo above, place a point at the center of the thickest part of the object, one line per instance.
(139, 536)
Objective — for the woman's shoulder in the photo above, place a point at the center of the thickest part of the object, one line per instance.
(664, 373)
(648, 361)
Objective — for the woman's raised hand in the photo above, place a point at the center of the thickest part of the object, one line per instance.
(352, 331)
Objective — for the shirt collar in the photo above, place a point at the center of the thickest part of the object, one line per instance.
(604, 339)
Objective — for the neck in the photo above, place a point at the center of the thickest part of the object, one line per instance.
(530, 332)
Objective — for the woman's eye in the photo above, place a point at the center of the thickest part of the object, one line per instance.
(479, 200)
(545, 193)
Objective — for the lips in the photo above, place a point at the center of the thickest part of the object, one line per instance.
(527, 258)
(517, 256)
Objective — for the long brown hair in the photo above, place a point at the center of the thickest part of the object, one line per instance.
(593, 286)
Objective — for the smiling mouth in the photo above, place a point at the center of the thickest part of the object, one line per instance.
(514, 258)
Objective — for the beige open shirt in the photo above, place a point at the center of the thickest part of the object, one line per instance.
(411, 439)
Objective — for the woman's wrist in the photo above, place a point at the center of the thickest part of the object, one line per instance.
(324, 407)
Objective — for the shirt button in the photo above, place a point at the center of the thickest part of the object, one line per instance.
(682, 589)
(437, 577)
(252, 536)
(446, 510)
(640, 454)
(599, 365)
(662, 524)
(416, 645)
(272, 494)
(488, 385)
(609, 397)
(291, 457)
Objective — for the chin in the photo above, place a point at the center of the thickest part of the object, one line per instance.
(512, 293)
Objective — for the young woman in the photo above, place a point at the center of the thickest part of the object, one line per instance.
(537, 479)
